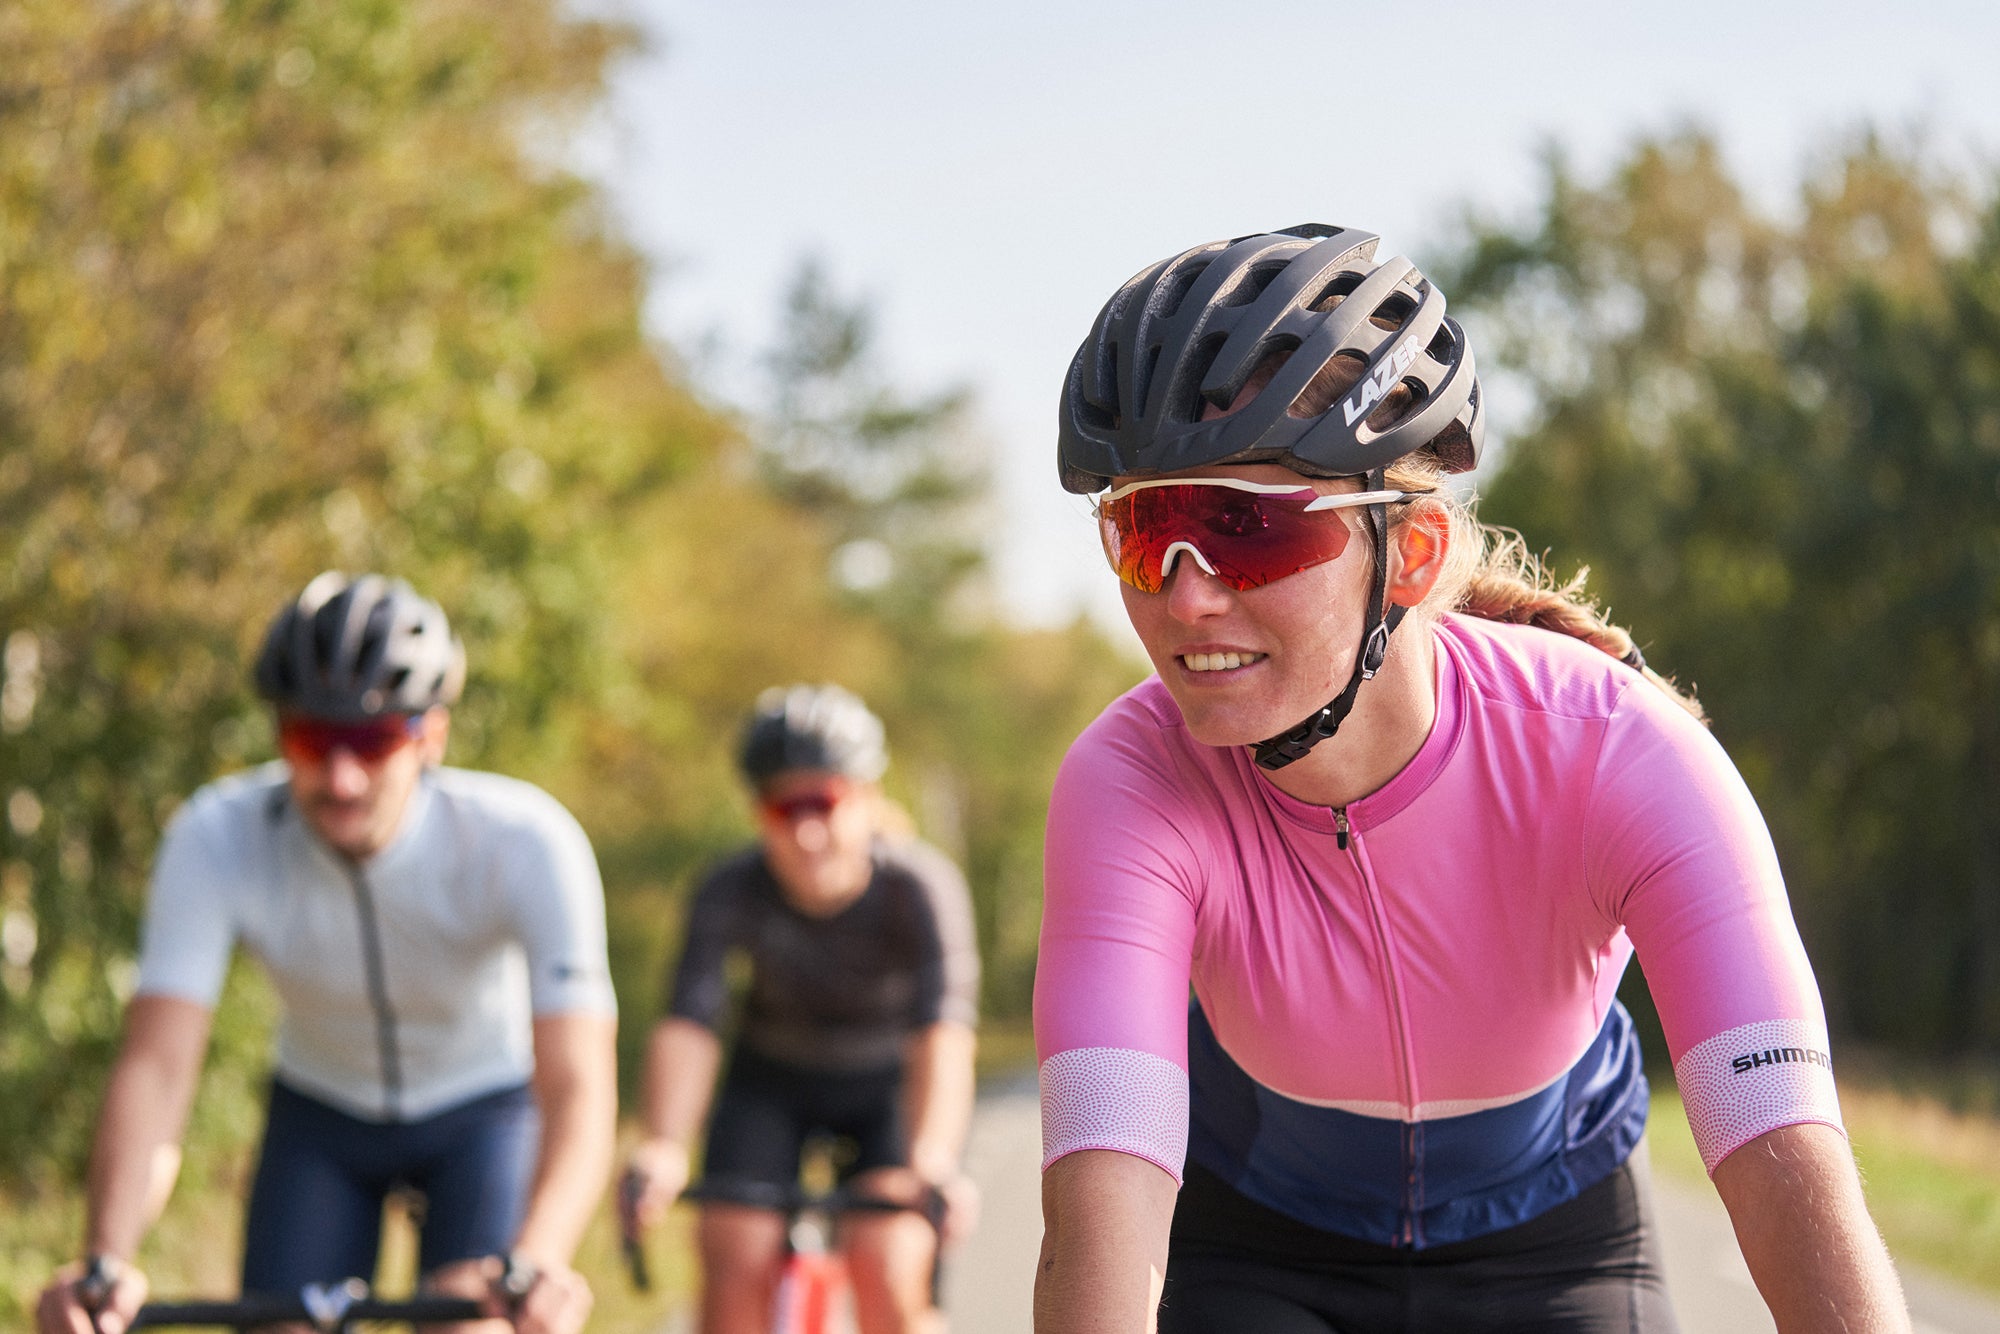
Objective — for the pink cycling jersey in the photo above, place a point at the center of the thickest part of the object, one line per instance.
(1420, 985)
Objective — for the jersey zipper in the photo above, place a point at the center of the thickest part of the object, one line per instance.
(378, 994)
(1348, 841)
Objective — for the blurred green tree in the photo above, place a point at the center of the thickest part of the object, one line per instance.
(1776, 441)
(282, 287)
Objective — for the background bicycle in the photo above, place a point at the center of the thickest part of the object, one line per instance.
(813, 1294)
(333, 1308)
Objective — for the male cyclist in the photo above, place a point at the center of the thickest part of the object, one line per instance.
(857, 1023)
(437, 938)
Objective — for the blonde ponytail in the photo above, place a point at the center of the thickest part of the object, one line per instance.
(1490, 573)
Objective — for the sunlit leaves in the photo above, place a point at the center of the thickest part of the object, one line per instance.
(1776, 440)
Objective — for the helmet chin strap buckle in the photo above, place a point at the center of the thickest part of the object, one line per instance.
(1376, 649)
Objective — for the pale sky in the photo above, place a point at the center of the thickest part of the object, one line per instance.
(986, 176)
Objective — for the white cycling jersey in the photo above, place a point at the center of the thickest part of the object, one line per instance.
(409, 980)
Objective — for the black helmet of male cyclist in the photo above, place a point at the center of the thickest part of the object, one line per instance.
(1188, 333)
(817, 727)
(352, 648)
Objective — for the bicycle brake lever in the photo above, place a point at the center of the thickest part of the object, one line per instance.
(631, 1240)
(100, 1276)
(518, 1275)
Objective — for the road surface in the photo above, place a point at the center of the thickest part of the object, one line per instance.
(990, 1281)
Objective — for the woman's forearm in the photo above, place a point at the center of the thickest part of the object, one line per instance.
(1795, 1200)
(939, 1091)
(1104, 1244)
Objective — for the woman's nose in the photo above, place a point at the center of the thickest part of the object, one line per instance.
(1192, 592)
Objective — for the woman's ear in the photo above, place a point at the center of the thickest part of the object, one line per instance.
(1417, 548)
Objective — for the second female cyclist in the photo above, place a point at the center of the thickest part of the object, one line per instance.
(1399, 813)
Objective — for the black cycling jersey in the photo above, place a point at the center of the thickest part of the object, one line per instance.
(838, 993)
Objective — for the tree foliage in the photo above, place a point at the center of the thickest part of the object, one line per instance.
(249, 330)
(286, 287)
(1776, 441)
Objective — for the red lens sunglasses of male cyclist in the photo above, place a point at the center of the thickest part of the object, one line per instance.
(1246, 534)
(812, 804)
(311, 740)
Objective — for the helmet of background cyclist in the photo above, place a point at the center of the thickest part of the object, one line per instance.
(818, 727)
(1188, 334)
(354, 647)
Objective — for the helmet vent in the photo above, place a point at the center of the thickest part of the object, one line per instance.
(1396, 405)
(1251, 285)
(1170, 301)
(1334, 379)
(1393, 311)
(1335, 292)
(1111, 383)
(1198, 365)
(1096, 415)
(1440, 348)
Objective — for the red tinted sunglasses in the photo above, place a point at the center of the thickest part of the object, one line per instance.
(1246, 534)
(310, 740)
(816, 804)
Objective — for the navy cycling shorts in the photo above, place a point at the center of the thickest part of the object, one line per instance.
(1590, 1265)
(323, 1177)
(767, 1109)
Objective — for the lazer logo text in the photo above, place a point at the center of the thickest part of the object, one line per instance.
(1372, 389)
(1749, 1061)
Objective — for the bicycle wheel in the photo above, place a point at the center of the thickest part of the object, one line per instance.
(809, 1291)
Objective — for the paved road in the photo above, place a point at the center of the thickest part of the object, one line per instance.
(990, 1282)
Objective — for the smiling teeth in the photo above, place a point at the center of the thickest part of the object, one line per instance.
(1217, 662)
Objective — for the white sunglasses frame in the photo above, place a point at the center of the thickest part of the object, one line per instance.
(1337, 500)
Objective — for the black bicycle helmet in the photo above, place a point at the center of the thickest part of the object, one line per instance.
(1189, 332)
(820, 727)
(350, 648)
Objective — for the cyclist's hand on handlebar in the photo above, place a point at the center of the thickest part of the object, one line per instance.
(536, 1298)
(110, 1290)
(960, 1197)
(655, 1175)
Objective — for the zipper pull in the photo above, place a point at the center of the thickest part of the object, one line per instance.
(1340, 827)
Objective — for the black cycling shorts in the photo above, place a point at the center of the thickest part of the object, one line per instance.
(1588, 1266)
(768, 1109)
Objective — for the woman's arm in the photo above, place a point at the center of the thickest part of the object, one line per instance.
(938, 1083)
(1795, 1199)
(682, 1061)
(1105, 1218)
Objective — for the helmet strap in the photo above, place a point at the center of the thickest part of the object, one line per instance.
(1281, 750)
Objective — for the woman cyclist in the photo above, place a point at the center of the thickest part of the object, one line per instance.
(857, 1024)
(1399, 812)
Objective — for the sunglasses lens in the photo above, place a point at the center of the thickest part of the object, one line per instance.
(804, 806)
(1247, 538)
(310, 741)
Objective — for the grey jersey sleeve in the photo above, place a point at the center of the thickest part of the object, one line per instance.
(190, 925)
(949, 986)
(558, 903)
